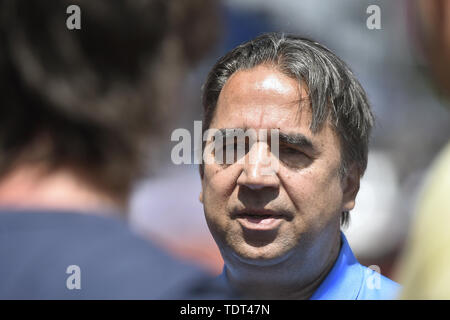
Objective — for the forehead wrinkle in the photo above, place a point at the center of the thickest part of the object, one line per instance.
(303, 109)
(262, 116)
(298, 104)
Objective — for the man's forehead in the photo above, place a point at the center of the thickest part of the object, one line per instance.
(262, 83)
(263, 97)
(265, 117)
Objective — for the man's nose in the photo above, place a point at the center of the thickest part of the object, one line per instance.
(259, 170)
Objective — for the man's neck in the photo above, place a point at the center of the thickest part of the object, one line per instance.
(284, 281)
(32, 187)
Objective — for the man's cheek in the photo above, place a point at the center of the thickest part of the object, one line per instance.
(311, 198)
(214, 202)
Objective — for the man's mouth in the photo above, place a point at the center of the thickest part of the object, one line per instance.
(259, 219)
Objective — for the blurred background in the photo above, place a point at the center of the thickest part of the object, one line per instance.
(412, 123)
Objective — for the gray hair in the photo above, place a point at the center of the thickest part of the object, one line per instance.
(334, 92)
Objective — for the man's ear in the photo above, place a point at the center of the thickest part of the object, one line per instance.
(201, 197)
(350, 185)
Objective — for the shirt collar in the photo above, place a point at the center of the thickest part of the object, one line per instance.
(345, 278)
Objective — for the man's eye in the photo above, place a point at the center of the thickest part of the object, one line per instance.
(290, 151)
(294, 158)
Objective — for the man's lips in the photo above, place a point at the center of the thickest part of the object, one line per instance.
(260, 219)
(263, 213)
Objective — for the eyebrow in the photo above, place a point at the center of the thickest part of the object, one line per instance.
(295, 139)
(298, 140)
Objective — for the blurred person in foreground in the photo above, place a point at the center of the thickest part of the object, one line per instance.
(78, 109)
(424, 269)
(278, 226)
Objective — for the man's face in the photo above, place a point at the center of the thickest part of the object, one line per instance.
(261, 218)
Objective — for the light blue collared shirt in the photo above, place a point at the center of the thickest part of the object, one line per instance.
(349, 280)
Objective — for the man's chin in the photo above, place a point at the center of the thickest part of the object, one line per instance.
(260, 256)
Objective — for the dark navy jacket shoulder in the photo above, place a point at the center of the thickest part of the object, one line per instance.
(36, 249)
